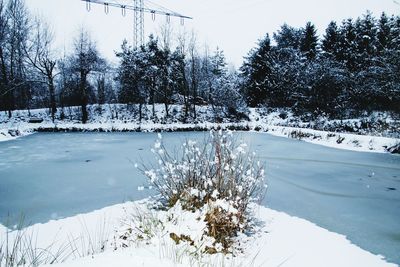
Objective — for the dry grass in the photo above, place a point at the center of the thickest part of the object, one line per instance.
(19, 248)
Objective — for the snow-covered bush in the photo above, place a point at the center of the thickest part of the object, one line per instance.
(218, 176)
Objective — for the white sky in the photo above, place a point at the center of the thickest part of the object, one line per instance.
(233, 25)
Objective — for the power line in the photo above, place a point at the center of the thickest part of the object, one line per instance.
(139, 7)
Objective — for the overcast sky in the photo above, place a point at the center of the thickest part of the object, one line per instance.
(233, 25)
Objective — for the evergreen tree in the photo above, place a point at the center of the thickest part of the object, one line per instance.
(366, 40)
(330, 43)
(220, 83)
(206, 80)
(384, 38)
(287, 80)
(218, 63)
(131, 76)
(327, 84)
(255, 71)
(227, 99)
(359, 71)
(213, 71)
(394, 33)
(152, 57)
(288, 37)
(348, 45)
(127, 76)
(166, 88)
(178, 77)
(309, 41)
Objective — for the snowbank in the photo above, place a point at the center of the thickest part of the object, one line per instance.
(116, 117)
(3, 230)
(278, 239)
(362, 143)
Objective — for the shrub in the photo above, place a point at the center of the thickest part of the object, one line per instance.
(218, 175)
(299, 135)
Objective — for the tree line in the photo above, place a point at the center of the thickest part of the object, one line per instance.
(353, 68)
(34, 75)
(155, 73)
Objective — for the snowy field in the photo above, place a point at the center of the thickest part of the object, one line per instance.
(116, 117)
(277, 240)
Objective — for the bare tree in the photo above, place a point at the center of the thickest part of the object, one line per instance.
(14, 29)
(206, 78)
(182, 51)
(84, 60)
(194, 67)
(166, 35)
(167, 91)
(4, 81)
(41, 57)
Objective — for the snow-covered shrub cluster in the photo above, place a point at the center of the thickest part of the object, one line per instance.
(219, 177)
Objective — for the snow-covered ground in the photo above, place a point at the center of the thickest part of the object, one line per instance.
(134, 234)
(382, 135)
(362, 143)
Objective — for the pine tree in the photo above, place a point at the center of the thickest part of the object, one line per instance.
(131, 76)
(366, 40)
(220, 83)
(205, 82)
(152, 59)
(125, 75)
(288, 37)
(384, 38)
(256, 70)
(330, 43)
(218, 63)
(178, 76)
(166, 88)
(213, 72)
(395, 33)
(348, 45)
(309, 41)
(358, 72)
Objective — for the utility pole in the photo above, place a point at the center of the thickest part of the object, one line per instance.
(138, 24)
(139, 7)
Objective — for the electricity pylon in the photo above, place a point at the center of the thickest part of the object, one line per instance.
(139, 8)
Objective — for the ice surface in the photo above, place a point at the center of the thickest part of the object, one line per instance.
(48, 176)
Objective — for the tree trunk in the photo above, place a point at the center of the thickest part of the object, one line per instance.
(140, 112)
(9, 100)
(52, 98)
(186, 95)
(166, 102)
(83, 98)
(166, 109)
(194, 85)
(153, 100)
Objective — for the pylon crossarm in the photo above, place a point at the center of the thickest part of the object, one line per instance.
(140, 9)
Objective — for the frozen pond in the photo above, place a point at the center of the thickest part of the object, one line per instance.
(49, 176)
